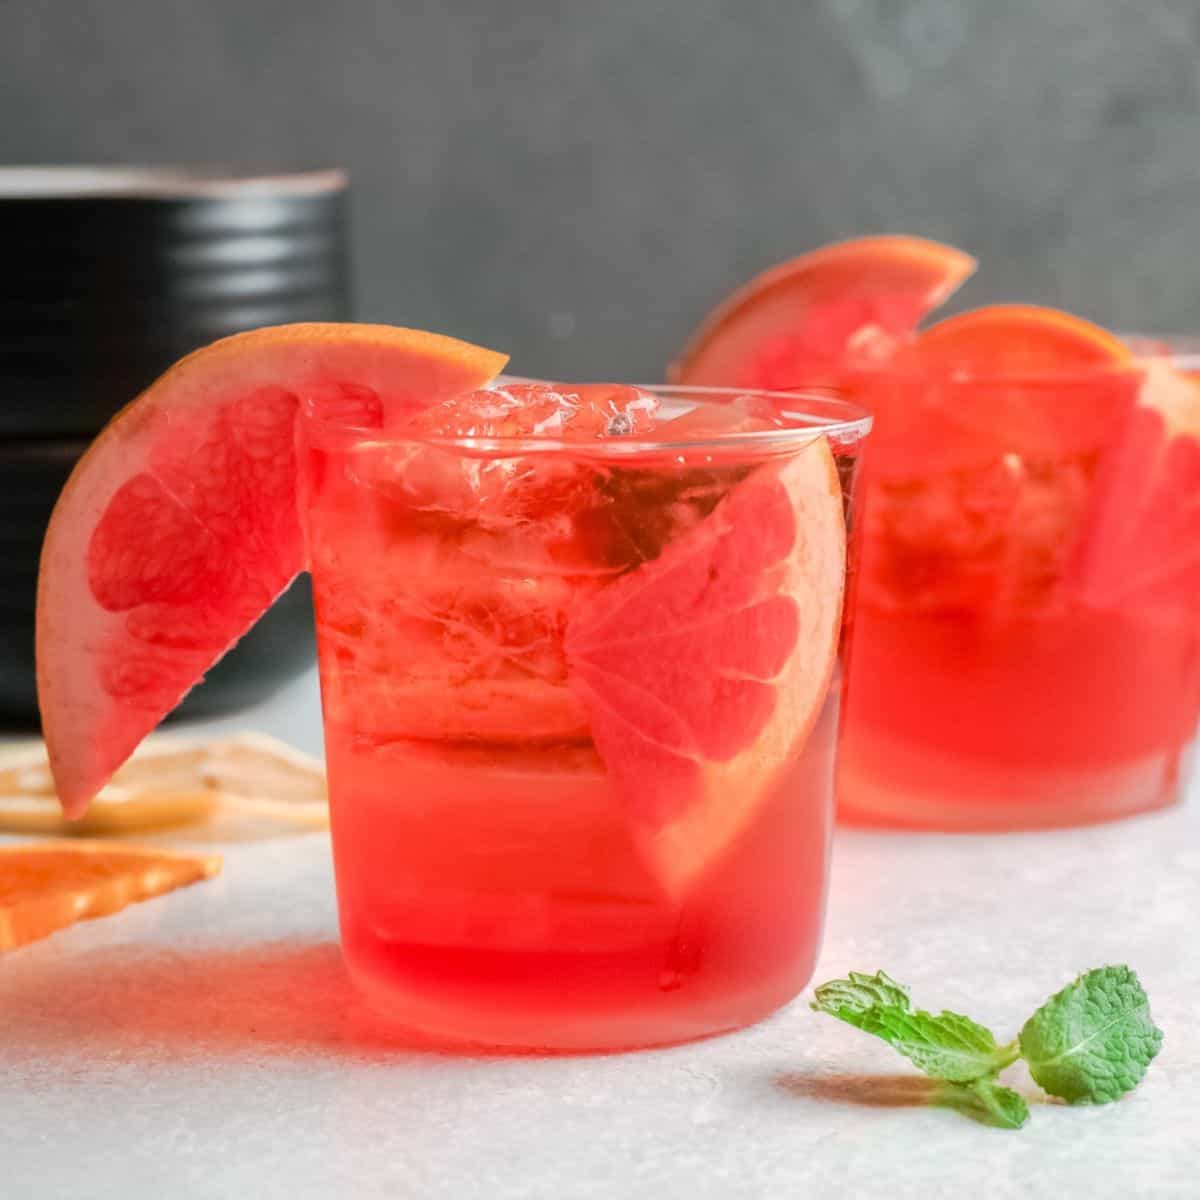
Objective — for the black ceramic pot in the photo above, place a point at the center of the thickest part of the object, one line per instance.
(110, 275)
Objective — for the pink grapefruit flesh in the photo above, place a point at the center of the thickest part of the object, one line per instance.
(1141, 541)
(179, 527)
(798, 321)
(704, 670)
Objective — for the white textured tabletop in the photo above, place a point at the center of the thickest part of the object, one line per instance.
(206, 1044)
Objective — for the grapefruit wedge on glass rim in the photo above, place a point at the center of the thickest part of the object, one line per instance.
(821, 312)
(1016, 379)
(1039, 381)
(179, 527)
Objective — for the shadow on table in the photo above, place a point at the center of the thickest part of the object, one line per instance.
(882, 1091)
(869, 1091)
(283, 997)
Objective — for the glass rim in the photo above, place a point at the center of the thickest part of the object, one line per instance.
(1180, 350)
(813, 412)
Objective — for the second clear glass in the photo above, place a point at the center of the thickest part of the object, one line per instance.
(1026, 650)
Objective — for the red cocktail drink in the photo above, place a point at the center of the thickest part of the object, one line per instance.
(579, 654)
(1027, 651)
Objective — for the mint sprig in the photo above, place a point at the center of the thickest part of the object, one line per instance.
(947, 1046)
(1088, 1044)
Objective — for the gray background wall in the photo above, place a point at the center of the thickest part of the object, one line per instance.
(577, 183)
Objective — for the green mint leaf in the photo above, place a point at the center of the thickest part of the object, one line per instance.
(946, 1046)
(1003, 1107)
(860, 992)
(1092, 1042)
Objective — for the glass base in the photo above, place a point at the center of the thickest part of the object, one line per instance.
(479, 1016)
(493, 909)
(888, 783)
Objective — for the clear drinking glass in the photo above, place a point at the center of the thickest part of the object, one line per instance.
(1027, 652)
(581, 688)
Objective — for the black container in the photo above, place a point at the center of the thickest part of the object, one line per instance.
(110, 275)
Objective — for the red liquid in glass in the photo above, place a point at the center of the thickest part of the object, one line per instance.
(1022, 657)
(503, 877)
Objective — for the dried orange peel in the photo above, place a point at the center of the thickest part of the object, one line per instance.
(257, 774)
(170, 782)
(50, 885)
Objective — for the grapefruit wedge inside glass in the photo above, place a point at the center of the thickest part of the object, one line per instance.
(705, 669)
(1141, 542)
(179, 527)
(816, 314)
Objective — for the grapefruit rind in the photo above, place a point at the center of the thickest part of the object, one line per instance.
(696, 704)
(885, 283)
(1017, 340)
(109, 667)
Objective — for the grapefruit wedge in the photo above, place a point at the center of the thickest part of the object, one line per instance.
(1141, 539)
(1018, 340)
(1005, 379)
(179, 527)
(704, 670)
(798, 320)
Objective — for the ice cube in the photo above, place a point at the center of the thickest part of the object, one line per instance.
(984, 542)
(520, 510)
(519, 410)
(552, 512)
(542, 410)
(612, 410)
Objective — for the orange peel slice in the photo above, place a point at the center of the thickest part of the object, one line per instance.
(47, 886)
